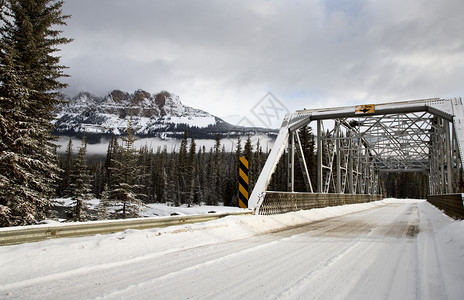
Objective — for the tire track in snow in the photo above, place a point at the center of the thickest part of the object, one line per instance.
(368, 254)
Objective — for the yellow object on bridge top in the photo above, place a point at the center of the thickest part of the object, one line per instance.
(365, 109)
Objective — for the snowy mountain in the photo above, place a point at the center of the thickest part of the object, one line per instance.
(159, 115)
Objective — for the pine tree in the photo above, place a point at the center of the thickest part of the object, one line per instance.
(248, 149)
(236, 167)
(98, 174)
(308, 146)
(172, 187)
(202, 177)
(191, 173)
(29, 74)
(125, 186)
(102, 208)
(217, 172)
(67, 167)
(210, 179)
(182, 171)
(111, 156)
(248, 153)
(161, 177)
(81, 188)
(258, 162)
(145, 163)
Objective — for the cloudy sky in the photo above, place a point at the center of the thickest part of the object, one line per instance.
(224, 56)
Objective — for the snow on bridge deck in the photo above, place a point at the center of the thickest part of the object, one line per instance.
(391, 249)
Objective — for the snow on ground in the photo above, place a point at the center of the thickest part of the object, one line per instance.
(155, 209)
(37, 264)
(158, 209)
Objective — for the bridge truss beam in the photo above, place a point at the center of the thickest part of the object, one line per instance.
(356, 144)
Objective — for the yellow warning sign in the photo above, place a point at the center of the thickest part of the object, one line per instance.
(243, 183)
(365, 109)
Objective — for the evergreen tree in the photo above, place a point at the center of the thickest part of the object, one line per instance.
(66, 164)
(29, 74)
(111, 156)
(125, 186)
(172, 190)
(80, 186)
(146, 165)
(308, 148)
(98, 175)
(308, 144)
(238, 154)
(191, 173)
(248, 153)
(102, 208)
(161, 177)
(217, 169)
(182, 171)
(210, 183)
(202, 175)
(258, 162)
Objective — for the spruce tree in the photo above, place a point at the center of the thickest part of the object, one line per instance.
(191, 173)
(182, 171)
(145, 163)
(202, 177)
(67, 167)
(29, 74)
(258, 162)
(235, 169)
(308, 147)
(81, 188)
(217, 172)
(248, 153)
(160, 176)
(98, 174)
(210, 182)
(125, 172)
(172, 183)
(111, 156)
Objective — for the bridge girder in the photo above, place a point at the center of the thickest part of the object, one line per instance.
(410, 136)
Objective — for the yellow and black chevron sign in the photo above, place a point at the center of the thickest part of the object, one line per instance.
(243, 183)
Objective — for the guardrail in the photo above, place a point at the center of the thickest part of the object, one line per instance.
(451, 204)
(37, 233)
(282, 202)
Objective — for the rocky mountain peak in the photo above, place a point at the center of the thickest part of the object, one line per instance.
(159, 115)
(160, 98)
(118, 96)
(140, 96)
(151, 114)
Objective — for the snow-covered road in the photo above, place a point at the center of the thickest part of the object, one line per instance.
(385, 250)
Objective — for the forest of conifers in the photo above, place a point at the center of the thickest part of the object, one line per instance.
(130, 177)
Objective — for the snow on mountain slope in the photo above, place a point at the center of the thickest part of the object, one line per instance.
(151, 114)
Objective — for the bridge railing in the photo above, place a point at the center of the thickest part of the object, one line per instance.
(451, 204)
(282, 202)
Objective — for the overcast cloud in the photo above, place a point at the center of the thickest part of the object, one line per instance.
(224, 56)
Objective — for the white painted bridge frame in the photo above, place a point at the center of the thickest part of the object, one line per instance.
(410, 136)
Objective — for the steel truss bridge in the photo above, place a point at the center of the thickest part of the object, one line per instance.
(356, 144)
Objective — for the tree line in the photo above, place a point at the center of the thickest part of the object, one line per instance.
(129, 178)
